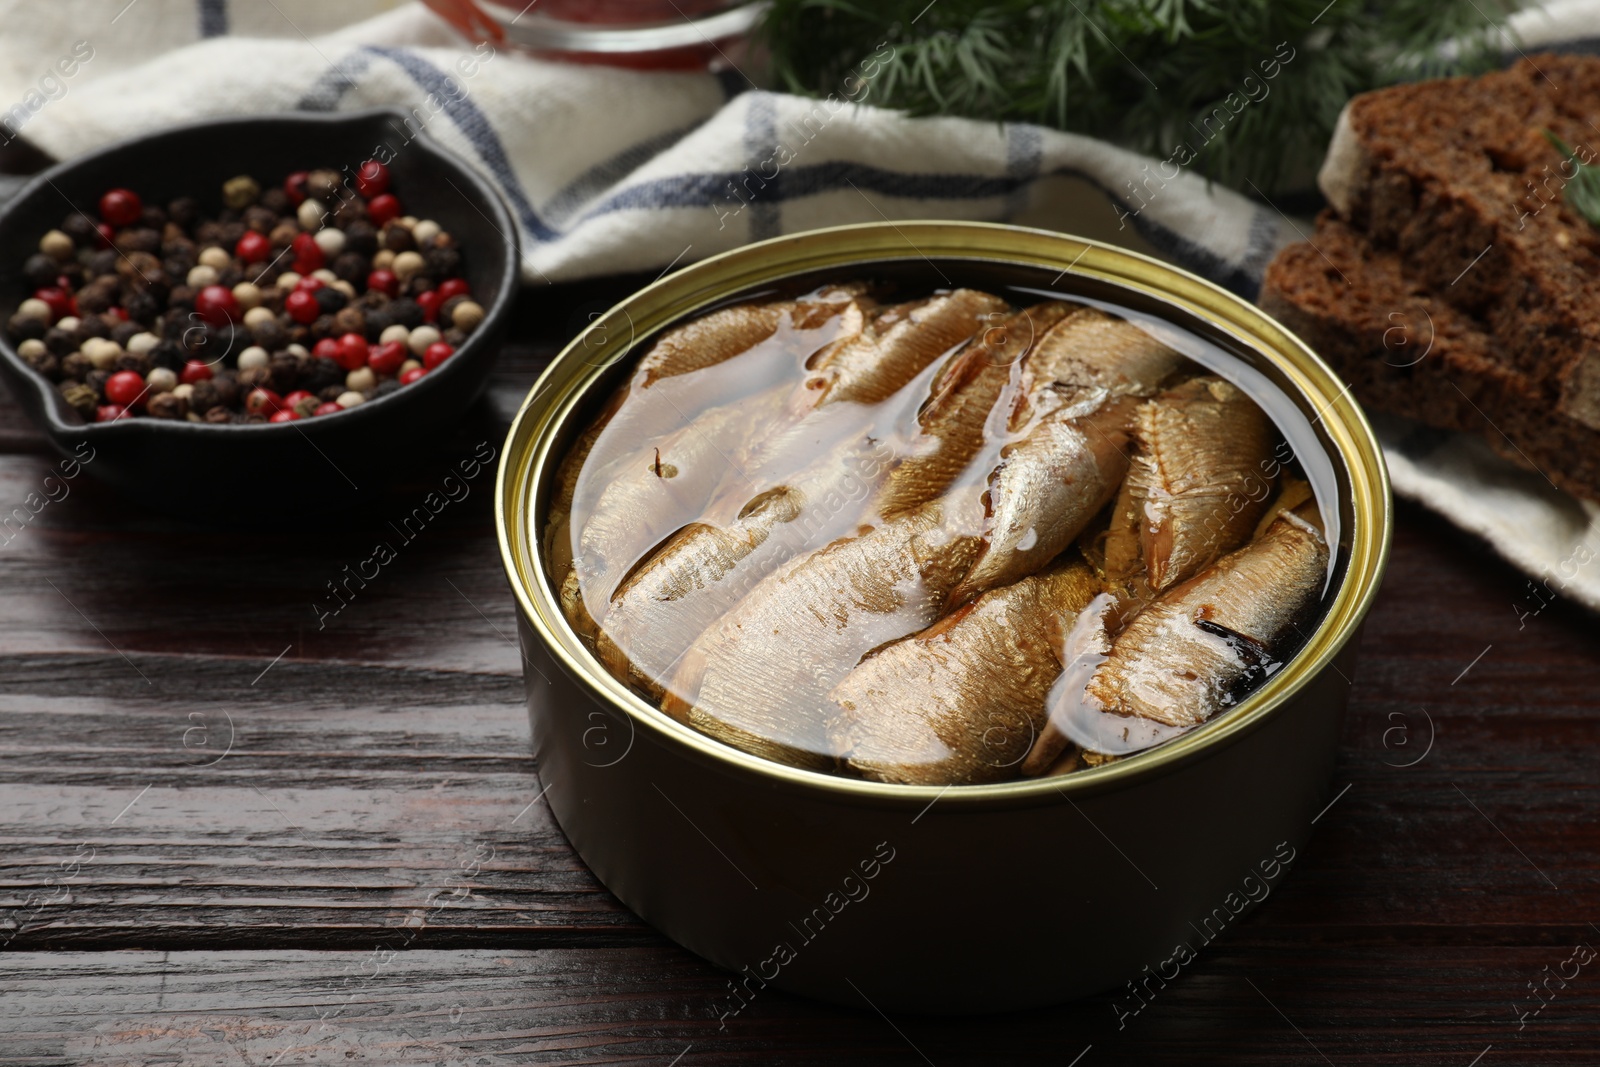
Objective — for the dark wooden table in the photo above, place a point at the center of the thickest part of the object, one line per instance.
(230, 836)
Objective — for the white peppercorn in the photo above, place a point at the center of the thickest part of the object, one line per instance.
(254, 356)
(331, 240)
(406, 264)
(350, 399)
(468, 314)
(215, 257)
(248, 294)
(32, 349)
(310, 214)
(397, 332)
(34, 308)
(201, 275)
(142, 343)
(360, 380)
(288, 280)
(161, 380)
(258, 315)
(421, 338)
(424, 232)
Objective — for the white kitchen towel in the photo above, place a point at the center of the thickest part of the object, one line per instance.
(612, 171)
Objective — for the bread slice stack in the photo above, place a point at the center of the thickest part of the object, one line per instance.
(1451, 281)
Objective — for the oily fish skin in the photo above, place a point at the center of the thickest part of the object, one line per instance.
(758, 679)
(631, 494)
(1182, 658)
(1070, 453)
(701, 570)
(695, 345)
(962, 701)
(1199, 481)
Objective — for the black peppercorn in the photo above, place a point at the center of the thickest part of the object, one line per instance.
(80, 228)
(230, 276)
(139, 268)
(352, 267)
(417, 284)
(384, 388)
(269, 334)
(218, 413)
(251, 377)
(284, 369)
(60, 341)
(372, 299)
(142, 306)
(181, 299)
(185, 211)
(41, 270)
(350, 320)
(76, 366)
(96, 380)
(123, 332)
(104, 261)
(331, 393)
(321, 373)
(46, 363)
(95, 326)
(139, 239)
(167, 406)
(406, 312)
(442, 262)
(153, 217)
(260, 219)
(283, 234)
(330, 299)
(138, 362)
(203, 396)
(227, 387)
(276, 201)
(361, 237)
(455, 338)
(350, 211)
(398, 239)
(22, 327)
(169, 354)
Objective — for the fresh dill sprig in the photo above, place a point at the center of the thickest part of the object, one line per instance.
(1582, 190)
(1142, 73)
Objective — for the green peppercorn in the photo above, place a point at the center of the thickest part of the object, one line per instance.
(239, 193)
(81, 397)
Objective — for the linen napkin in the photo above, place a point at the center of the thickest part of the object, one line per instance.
(610, 171)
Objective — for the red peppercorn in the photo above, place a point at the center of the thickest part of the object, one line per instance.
(383, 208)
(286, 415)
(429, 303)
(386, 358)
(352, 351)
(307, 254)
(121, 207)
(125, 388)
(253, 247)
(196, 370)
(436, 354)
(407, 377)
(384, 281)
(291, 399)
(60, 301)
(327, 348)
(453, 287)
(215, 304)
(107, 412)
(295, 187)
(118, 313)
(302, 306)
(308, 284)
(372, 179)
(105, 233)
(262, 401)
(330, 408)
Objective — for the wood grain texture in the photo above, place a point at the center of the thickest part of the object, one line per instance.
(190, 763)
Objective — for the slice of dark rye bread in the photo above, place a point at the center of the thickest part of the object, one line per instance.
(1409, 352)
(1457, 177)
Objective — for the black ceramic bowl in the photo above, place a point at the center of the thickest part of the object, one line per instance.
(321, 463)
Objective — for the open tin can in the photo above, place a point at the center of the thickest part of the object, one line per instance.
(957, 898)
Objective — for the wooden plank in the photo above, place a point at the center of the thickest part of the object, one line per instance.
(1387, 1005)
(364, 770)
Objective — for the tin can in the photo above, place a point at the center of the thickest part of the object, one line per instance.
(962, 898)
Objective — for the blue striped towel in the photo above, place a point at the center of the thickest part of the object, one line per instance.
(613, 171)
